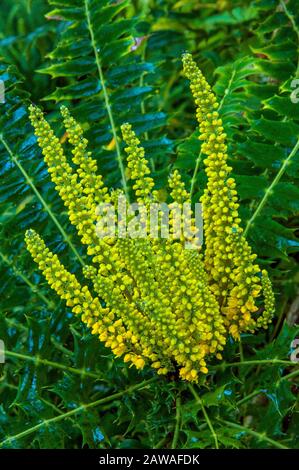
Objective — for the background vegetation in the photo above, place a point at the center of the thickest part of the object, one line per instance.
(112, 62)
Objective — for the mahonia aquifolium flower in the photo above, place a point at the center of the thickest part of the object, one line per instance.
(235, 278)
(154, 301)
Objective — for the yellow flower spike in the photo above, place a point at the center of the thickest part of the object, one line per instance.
(226, 247)
(67, 287)
(266, 318)
(137, 164)
(178, 192)
(92, 182)
(181, 197)
(67, 182)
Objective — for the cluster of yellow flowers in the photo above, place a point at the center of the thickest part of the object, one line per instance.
(154, 301)
(234, 277)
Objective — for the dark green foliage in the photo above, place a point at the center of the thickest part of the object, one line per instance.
(25, 39)
(59, 387)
